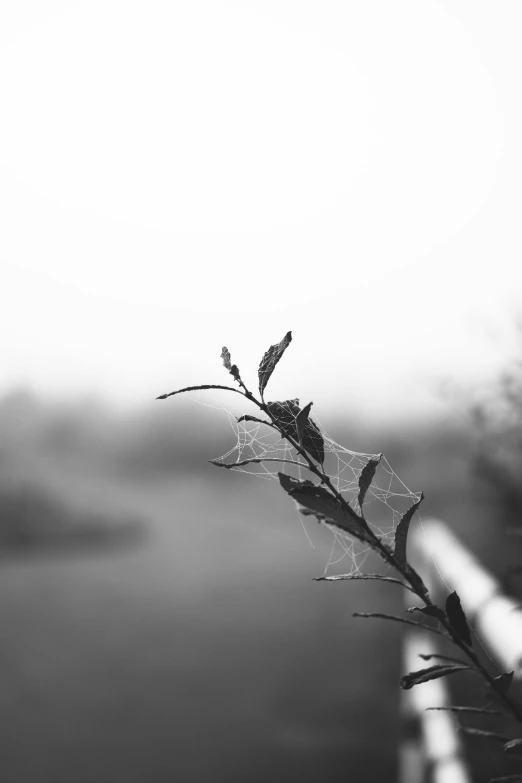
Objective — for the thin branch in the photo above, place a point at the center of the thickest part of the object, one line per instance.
(341, 577)
(484, 733)
(198, 388)
(440, 657)
(467, 709)
(258, 459)
(381, 616)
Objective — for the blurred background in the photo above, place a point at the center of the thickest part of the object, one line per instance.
(175, 177)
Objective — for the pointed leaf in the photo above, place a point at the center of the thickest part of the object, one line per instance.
(301, 421)
(289, 483)
(313, 441)
(431, 611)
(286, 415)
(484, 733)
(480, 710)
(507, 779)
(504, 681)
(199, 388)
(270, 360)
(440, 657)
(401, 534)
(232, 368)
(247, 417)
(457, 618)
(305, 512)
(341, 577)
(225, 355)
(383, 616)
(318, 500)
(514, 744)
(366, 478)
(431, 673)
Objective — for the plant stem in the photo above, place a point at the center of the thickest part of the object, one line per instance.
(406, 571)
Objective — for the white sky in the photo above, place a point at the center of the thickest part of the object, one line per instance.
(175, 176)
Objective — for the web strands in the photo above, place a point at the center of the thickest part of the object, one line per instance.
(260, 451)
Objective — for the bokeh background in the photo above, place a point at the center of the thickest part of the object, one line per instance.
(179, 176)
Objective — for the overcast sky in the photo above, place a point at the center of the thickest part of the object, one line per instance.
(176, 176)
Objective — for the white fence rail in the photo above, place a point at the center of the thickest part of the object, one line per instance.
(496, 618)
(431, 749)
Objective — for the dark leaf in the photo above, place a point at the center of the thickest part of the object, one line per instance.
(504, 681)
(431, 611)
(480, 710)
(302, 420)
(286, 415)
(288, 483)
(457, 618)
(313, 442)
(431, 673)
(307, 513)
(366, 478)
(320, 501)
(514, 744)
(401, 534)
(270, 360)
(247, 417)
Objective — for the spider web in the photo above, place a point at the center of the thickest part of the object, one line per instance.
(386, 500)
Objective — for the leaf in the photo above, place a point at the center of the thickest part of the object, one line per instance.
(504, 681)
(301, 421)
(431, 673)
(270, 360)
(514, 744)
(307, 513)
(382, 616)
(507, 779)
(232, 368)
(366, 478)
(457, 618)
(225, 355)
(288, 483)
(484, 733)
(401, 534)
(480, 710)
(199, 388)
(431, 611)
(286, 415)
(320, 501)
(247, 417)
(341, 577)
(439, 656)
